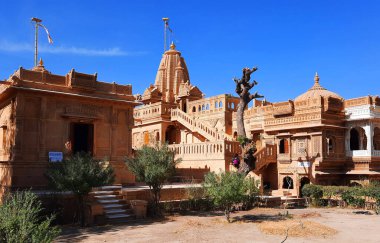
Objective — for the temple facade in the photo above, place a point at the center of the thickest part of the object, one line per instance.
(317, 137)
(44, 116)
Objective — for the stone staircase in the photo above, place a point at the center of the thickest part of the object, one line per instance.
(198, 126)
(116, 209)
(264, 157)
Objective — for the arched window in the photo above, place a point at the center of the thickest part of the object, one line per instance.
(194, 109)
(216, 104)
(203, 107)
(207, 107)
(330, 145)
(220, 104)
(232, 106)
(235, 136)
(287, 183)
(199, 108)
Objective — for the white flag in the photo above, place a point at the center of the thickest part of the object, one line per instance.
(47, 32)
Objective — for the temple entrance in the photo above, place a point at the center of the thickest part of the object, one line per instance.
(171, 135)
(82, 137)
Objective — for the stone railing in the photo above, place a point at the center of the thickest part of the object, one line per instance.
(206, 150)
(265, 156)
(363, 153)
(197, 126)
(154, 110)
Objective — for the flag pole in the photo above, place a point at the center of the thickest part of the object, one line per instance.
(165, 27)
(36, 20)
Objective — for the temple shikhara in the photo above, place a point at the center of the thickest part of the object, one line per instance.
(317, 137)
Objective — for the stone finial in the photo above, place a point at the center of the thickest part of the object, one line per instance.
(316, 77)
(172, 46)
(41, 63)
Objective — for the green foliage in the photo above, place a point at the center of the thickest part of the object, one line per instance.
(20, 220)
(229, 188)
(373, 191)
(153, 165)
(79, 174)
(243, 140)
(354, 196)
(313, 191)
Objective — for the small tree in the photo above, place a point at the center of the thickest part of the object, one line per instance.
(20, 220)
(79, 174)
(153, 165)
(229, 188)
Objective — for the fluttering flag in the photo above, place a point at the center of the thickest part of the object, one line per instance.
(47, 32)
(167, 26)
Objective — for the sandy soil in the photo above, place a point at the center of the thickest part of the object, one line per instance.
(341, 225)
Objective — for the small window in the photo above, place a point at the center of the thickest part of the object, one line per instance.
(220, 104)
(216, 104)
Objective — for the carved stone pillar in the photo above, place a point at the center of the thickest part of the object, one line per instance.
(369, 133)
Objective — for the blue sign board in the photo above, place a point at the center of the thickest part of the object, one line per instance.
(55, 156)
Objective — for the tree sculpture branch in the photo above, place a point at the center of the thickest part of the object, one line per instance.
(243, 87)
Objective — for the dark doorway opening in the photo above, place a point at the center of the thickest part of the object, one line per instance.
(354, 139)
(82, 137)
(304, 181)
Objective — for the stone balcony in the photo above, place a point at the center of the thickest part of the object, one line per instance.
(363, 153)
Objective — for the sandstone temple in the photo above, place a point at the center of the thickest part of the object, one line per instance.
(317, 137)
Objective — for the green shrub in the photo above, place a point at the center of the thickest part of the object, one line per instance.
(228, 188)
(315, 192)
(79, 174)
(373, 191)
(20, 220)
(153, 165)
(354, 196)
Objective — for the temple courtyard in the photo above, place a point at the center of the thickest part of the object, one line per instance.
(256, 225)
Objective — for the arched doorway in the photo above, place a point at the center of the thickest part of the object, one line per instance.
(287, 183)
(184, 106)
(358, 139)
(171, 135)
(376, 139)
(304, 181)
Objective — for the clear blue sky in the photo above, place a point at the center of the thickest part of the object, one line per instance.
(123, 41)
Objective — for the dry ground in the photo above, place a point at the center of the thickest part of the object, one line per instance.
(258, 225)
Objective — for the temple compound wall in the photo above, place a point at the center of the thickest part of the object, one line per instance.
(41, 112)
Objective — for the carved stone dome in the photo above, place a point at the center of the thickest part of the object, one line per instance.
(316, 91)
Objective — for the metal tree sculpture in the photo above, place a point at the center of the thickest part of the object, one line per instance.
(243, 86)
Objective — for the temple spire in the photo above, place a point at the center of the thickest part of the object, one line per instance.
(316, 78)
(172, 46)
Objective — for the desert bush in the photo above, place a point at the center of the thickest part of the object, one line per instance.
(228, 188)
(354, 196)
(315, 192)
(20, 220)
(153, 165)
(79, 174)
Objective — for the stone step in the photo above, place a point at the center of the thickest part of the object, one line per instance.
(107, 197)
(115, 211)
(103, 193)
(119, 216)
(109, 188)
(113, 206)
(107, 201)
